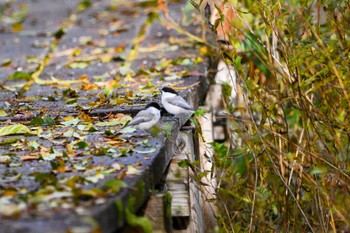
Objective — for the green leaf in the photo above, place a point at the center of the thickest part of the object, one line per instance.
(92, 129)
(59, 33)
(199, 112)
(47, 178)
(37, 121)
(9, 141)
(49, 120)
(42, 121)
(237, 62)
(83, 5)
(184, 163)
(318, 170)
(19, 75)
(15, 129)
(100, 151)
(107, 91)
(81, 145)
(114, 185)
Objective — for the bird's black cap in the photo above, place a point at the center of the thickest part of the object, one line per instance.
(153, 104)
(168, 89)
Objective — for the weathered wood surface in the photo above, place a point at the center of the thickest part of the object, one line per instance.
(187, 215)
(123, 46)
(209, 180)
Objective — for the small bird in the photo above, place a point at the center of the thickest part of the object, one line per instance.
(174, 103)
(147, 118)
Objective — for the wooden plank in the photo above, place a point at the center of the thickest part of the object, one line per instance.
(209, 181)
(184, 189)
(177, 183)
(196, 221)
(156, 211)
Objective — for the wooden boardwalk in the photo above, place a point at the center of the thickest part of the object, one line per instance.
(71, 74)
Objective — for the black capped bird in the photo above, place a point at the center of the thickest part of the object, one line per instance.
(174, 103)
(147, 118)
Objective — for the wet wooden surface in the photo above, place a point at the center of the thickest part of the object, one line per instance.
(85, 69)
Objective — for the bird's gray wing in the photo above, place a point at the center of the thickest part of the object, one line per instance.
(180, 102)
(142, 116)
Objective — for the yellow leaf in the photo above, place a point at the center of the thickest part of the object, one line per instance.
(15, 129)
(3, 113)
(17, 27)
(132, 171)
(129, 78)
(106, 58)
(113, 122)
(76, 52)
(55, 81)
(203, 51)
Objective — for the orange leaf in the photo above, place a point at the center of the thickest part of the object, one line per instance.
(163, 6)
(29, 157)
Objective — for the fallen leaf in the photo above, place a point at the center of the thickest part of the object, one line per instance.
(29, 157)
(9, 141)
(69, 122)
(95, 178)
(84, 40)
(113, 122)
(17, 27)
(19, 75)
(5, 159)
(146, 151)
(132, 171)
(5, 62)
(172, 77)
(11, 210)
(15, 164)
(12, 178)
(78, 65)
(117, 166)
(127, 130)
(55, 81)
(15, 129)
(57, 195)
(114, 185)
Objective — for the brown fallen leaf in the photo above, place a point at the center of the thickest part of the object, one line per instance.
(9, 193)
(29, 157)
(63, 170)
(121, 175)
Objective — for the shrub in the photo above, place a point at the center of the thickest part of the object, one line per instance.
(289, 172)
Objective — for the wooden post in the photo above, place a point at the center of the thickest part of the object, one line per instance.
(209, 180)
(186, 209)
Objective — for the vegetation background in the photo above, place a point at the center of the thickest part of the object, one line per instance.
(286, 165)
